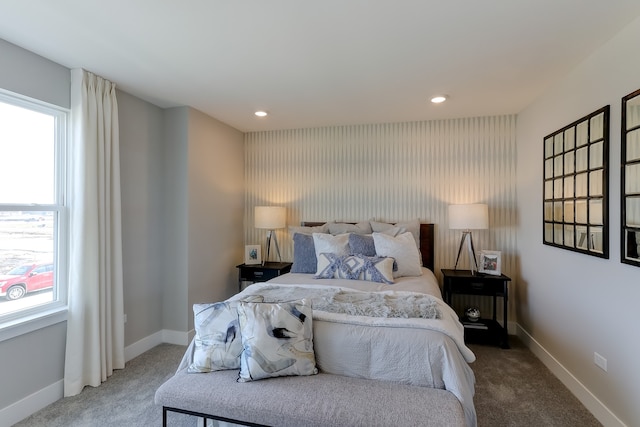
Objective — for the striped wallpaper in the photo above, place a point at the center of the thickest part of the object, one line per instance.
(390, 172)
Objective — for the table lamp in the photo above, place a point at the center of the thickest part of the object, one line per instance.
(270, 218)
(467, 218)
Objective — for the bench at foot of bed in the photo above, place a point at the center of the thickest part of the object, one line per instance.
(318, 400)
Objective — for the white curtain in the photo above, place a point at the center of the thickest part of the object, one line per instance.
(95, 327)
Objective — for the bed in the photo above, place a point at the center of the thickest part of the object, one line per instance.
(424, 350)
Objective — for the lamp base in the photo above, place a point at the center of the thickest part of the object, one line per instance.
(275, 240)
(473, 262)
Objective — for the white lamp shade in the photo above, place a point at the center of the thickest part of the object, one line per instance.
(270, 217)
(469, 217)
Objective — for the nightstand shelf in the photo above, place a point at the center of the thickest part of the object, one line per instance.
(484, 329)
(261, 273)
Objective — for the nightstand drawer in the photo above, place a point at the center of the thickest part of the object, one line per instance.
(259, 274)
(479, 287)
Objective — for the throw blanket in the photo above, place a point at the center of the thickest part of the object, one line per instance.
(356, 303)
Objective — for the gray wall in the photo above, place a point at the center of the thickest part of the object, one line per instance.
(142, 171)
(572, 305)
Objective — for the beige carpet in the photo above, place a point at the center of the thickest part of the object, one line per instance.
(513, 389)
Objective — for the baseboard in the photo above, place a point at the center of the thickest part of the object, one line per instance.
(591, 402)
(31, 404)
(145, 344)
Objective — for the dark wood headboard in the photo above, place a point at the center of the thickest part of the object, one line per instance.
(427, 242)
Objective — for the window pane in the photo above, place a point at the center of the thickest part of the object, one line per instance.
(633, 211)
(27, 144)
(26, 259)
(581, 159)
(568, 162)
(558, 143)
(596, 155)
(548, 148)
(632, 178)
(568, 235)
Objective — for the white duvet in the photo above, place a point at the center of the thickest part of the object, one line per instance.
(422, 352)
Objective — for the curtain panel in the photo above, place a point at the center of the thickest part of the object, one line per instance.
(95, 327)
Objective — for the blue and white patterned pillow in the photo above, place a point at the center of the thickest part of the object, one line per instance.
(304, 254)
(218, 344)
(277, 340)
(355, 267)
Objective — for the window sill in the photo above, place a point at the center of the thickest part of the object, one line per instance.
(33, 322)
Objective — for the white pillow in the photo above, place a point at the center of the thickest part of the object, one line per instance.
(217, 342)
(412, 226)
(403, 249)
(293, 229)
(329, 244)
(277, 340)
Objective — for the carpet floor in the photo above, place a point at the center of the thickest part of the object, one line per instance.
(513, 388)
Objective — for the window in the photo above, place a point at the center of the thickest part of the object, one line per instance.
(33, 211)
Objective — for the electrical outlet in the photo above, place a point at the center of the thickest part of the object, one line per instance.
(600, 361)
(125, 318)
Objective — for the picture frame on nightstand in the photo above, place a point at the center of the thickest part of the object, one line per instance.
(252, 254)
(490, 262)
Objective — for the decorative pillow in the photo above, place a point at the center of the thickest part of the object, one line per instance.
(217, 342)
(341, 228)
(355, 267)
(403, 249)
(277, 339)
(324, 228)
(362, 244)
(328, 244)
(304, 254)
(412, 226)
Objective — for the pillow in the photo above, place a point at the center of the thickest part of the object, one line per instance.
(355, 267)
(341, 228)
(304, 254)
(217, 341)
(403, 249)
(329, 244)
(277, 340)
(362, 244)
(324, 228)
(412, 226)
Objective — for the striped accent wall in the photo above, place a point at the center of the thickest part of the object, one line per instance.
(389, 172)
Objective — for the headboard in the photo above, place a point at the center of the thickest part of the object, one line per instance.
(427, 242)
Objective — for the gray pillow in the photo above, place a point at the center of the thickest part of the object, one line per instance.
(362, 244)
(342, 228)
(304, 254)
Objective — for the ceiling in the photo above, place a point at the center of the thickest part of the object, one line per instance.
(320, 63)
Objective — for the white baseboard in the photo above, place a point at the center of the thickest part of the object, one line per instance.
(591, 402)
(31, 404)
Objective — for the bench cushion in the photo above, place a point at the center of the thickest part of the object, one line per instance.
(319, 400)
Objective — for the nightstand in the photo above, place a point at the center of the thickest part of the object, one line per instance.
(261, 273)
(463, 282)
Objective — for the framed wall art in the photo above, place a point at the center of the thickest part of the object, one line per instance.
(252, 254)
(575, 186)
(630, 179)
(490, 262)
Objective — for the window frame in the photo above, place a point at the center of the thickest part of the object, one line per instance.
(37, 317)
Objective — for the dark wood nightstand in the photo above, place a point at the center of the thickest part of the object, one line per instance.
(463, 282)
(261, 273)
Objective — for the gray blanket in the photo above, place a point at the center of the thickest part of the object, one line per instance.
(357, 303)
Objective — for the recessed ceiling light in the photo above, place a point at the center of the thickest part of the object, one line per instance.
(438, 99)
(261, 113)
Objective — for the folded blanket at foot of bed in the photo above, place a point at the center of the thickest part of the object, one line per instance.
(318, 400)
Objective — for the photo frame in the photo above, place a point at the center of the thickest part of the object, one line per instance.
(252, 254)
(490, 262)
